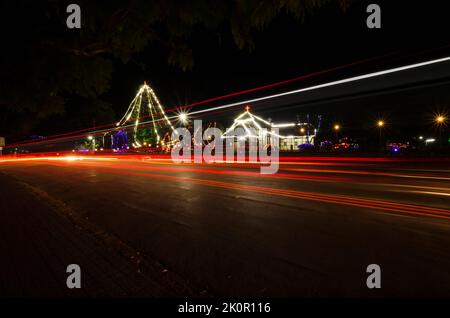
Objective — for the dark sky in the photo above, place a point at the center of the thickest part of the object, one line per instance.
(289, 48)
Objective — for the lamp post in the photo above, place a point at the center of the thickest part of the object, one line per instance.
(380, 125)
(440, 121)
(91, 138)
(2, 144)
(336, 128)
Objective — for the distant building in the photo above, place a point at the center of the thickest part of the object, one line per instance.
(293, 136)
(295, 141)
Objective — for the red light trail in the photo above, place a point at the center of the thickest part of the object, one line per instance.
(159, 169)
(378, 205)
(112, 126)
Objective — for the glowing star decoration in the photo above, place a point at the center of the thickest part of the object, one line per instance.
(146, 104)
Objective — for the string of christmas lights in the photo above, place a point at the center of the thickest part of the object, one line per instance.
(136, 111)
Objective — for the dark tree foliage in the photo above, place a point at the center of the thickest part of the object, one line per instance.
(44, 65)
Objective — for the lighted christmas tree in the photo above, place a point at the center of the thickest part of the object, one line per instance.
(146, 105)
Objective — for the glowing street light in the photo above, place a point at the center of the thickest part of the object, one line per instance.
(183, 118)
(441, 122)
(440, 119)
(91, 138)
(336, 128)
(380, 125)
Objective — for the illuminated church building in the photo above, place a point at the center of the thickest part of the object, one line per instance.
(292, 136)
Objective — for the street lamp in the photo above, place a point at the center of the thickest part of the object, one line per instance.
(336, 128)
(91, 138)
(380, 125)
(440, 119)
(183, 118)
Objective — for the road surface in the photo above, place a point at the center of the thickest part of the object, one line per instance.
(225, 230)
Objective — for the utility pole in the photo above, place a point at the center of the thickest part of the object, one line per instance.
(2, 144)
(307, 128)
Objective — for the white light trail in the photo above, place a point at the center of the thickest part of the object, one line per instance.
(311, 88)
(334, 83)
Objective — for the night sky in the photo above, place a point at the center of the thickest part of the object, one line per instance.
(288, 48)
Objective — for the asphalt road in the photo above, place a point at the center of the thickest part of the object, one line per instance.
(310, 230)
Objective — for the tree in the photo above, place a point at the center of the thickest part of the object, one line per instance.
(43, 61)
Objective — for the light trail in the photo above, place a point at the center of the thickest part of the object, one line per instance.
(232, 164)
(56, 158)
(316, 87)
(329, 84)
(365, 172)
(163, 165)
(226, 106)
(288, 160)
(233, 94)
(295, 79)
(114, 165)
(372, 204)
(196, 169)
(445, 194)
